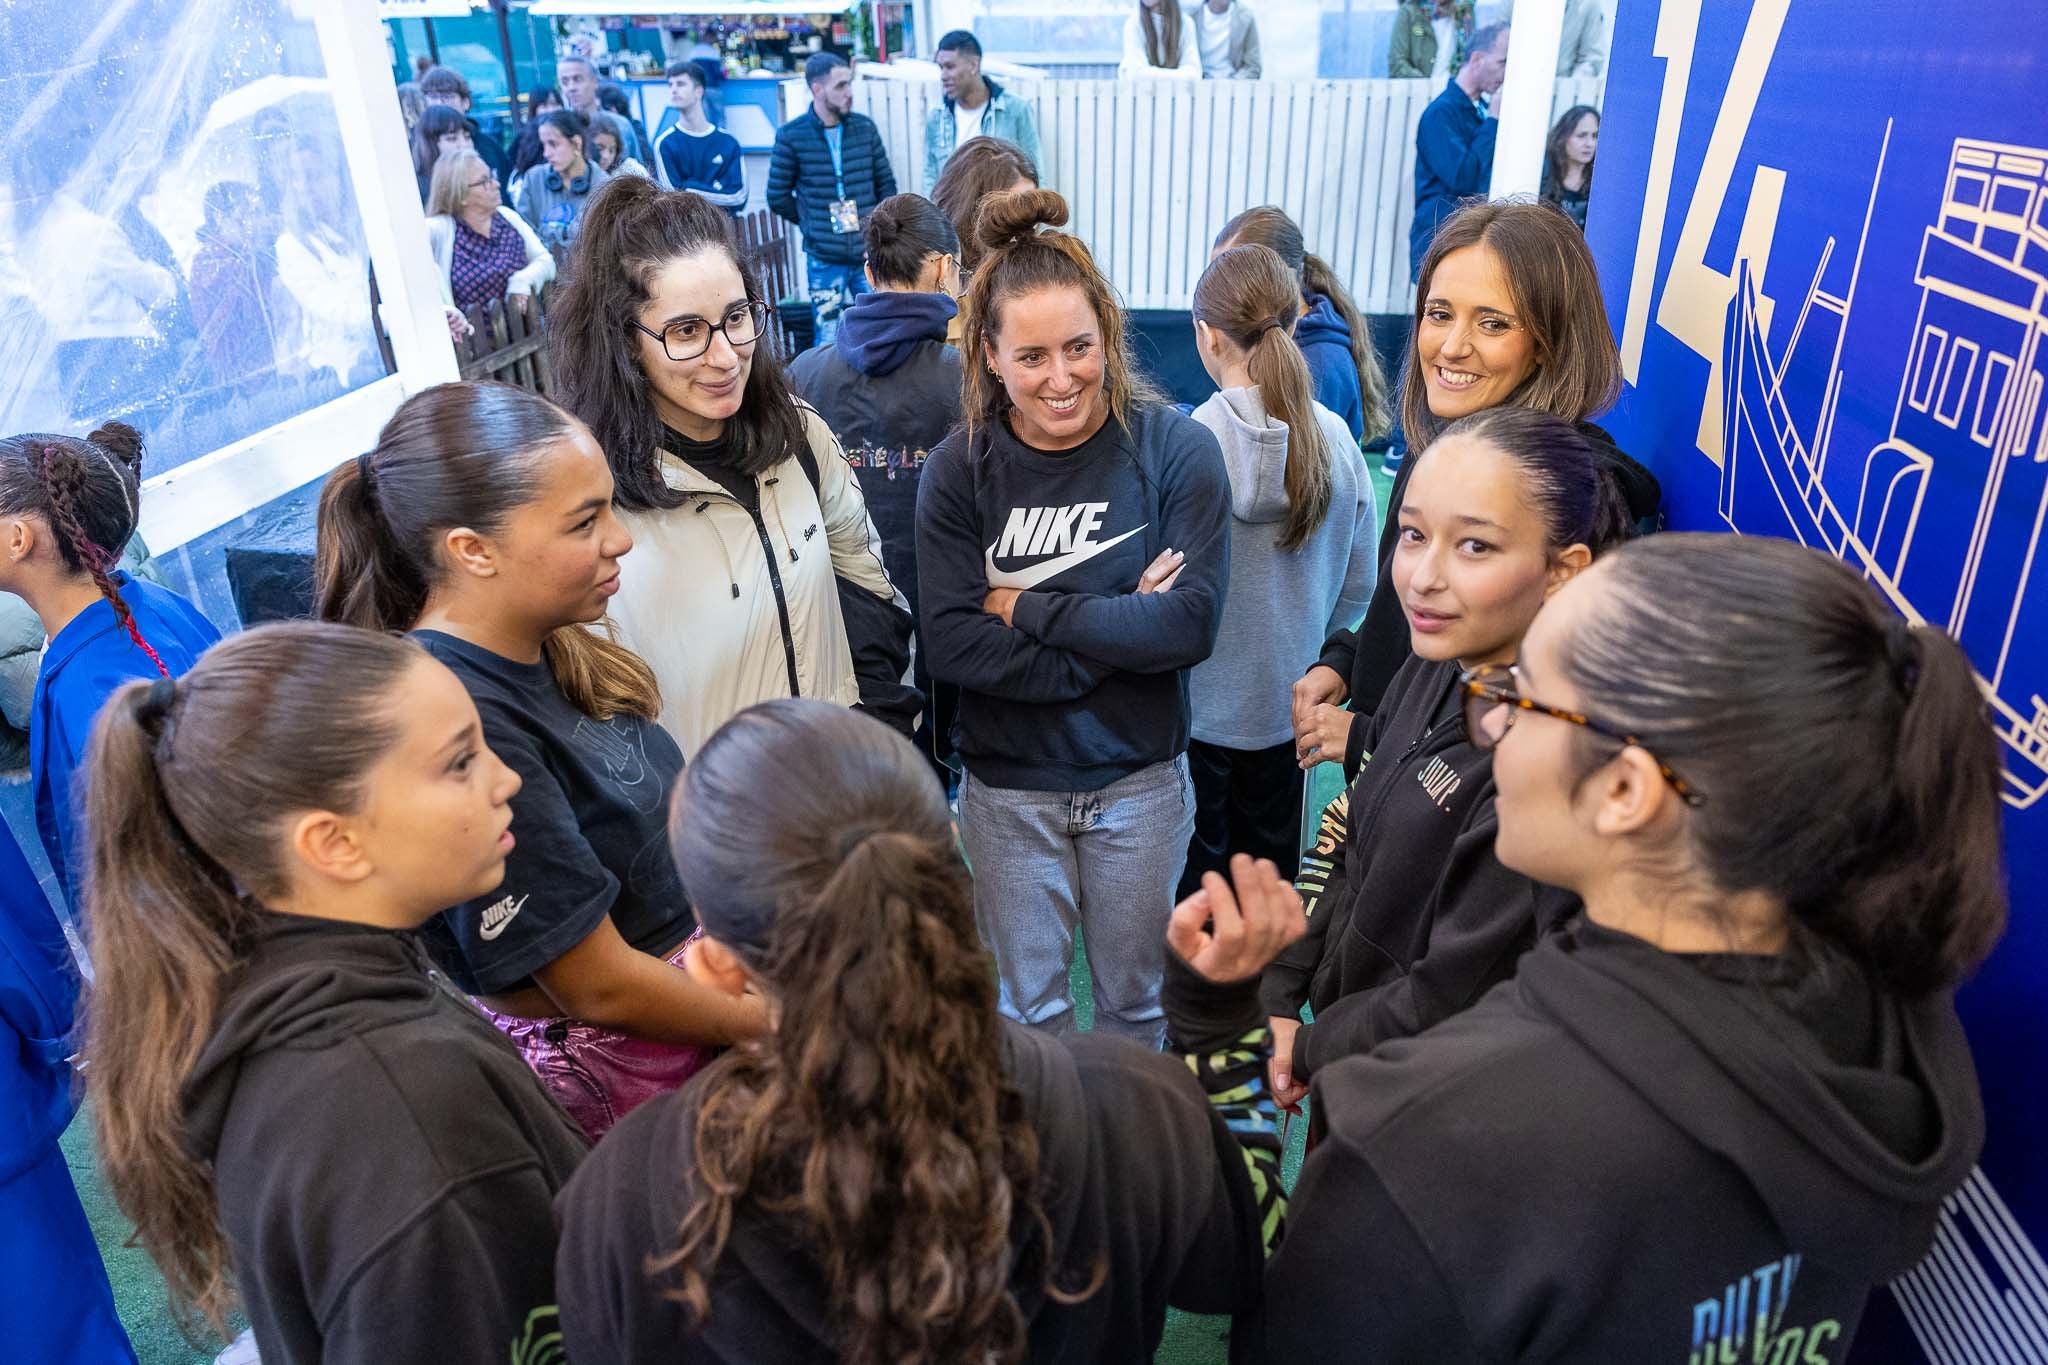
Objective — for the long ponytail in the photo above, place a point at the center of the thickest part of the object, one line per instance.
(464, 454)
(1248, 294)
(190, 783)
(879, 1114)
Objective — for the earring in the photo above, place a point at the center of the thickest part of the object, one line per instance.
(993, 371)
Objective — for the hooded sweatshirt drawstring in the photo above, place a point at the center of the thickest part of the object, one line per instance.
(730, 577)
(774, 505)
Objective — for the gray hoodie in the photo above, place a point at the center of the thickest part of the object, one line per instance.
(1281, 604)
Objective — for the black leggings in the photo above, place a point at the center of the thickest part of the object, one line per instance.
(1246, 801)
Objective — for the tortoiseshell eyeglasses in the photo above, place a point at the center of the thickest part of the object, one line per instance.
(1493, 699)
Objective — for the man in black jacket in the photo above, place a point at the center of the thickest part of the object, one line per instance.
(828, 172)
(445, 85)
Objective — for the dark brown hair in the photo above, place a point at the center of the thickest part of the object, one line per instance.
(1554, 164)
(1250, 296)
(90, 493)
(978, 168)
(462, 454)
(436, 122)
(191, 784)
(1018, 258)
(901, 233)
(1555, 289)
(1162, 33)
(1268, 226)
(1576, 492)
(1847, 763)
(631, 229)
(878, 1117)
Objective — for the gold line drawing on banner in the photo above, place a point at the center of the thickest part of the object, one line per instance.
(1968, 401)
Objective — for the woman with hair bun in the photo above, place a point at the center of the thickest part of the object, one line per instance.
(67, 508)
(1073, 542)
(1722, 1108)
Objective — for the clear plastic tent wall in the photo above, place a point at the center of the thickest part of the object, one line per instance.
(180, 245)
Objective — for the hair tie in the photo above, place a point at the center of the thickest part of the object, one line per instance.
(155, 714)
(1902, 652)
(363, 469)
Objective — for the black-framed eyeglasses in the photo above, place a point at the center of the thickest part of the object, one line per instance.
(1493, 699)
(688, 338)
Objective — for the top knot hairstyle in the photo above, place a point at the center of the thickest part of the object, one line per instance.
(1846, 760)
(631, 229)
(90, 493)
(1022, 253)
(902, 233)
(979, 167)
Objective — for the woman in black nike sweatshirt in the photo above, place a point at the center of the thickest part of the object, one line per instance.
(297, 1113)
(1073, 542)
(1411, 917)
(897, 1174)
(1710, 1118)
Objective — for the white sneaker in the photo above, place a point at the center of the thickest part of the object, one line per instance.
(241, 1351)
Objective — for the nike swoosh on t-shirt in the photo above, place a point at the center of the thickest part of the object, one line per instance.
(1024, 580)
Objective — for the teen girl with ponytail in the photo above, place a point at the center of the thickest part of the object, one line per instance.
(1331, 332)
(67, 508)
(1725, 1106)
(1303, 552)
(482, 522)
(897, 1174)
(1073, 543)
(1411, 916)
(301, 1121)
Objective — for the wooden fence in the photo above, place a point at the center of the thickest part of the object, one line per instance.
(1153, 169)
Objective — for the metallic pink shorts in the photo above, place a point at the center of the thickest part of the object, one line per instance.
(597, 1074)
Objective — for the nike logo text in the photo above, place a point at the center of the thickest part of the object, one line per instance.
(498, 915)
(1066, 532)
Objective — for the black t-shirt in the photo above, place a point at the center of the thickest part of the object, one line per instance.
(589, 821)
(713, 459)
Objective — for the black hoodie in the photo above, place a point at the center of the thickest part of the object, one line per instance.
(385, 1162)
(1629, 1155)
(1137, 1173)
(1411, 916)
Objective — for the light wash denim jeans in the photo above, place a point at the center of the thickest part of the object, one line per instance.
(1107, 860)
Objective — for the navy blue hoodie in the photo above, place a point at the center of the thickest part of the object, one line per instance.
(1325, 343)
(1091, 683)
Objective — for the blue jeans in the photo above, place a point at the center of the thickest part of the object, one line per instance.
(833, 287)
(1045, 861)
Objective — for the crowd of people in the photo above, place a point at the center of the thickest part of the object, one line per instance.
(636, 918)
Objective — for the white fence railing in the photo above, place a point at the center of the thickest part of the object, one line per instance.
(1153, 169)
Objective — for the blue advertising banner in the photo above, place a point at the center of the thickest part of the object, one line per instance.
(1823, 238)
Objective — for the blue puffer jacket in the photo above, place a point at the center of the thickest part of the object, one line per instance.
(801, 185)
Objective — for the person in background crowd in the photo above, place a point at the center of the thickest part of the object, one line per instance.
(1411, 916)
(759, 573)
(302, 1122)
(1454, 140)
(1227, 36)
(1073, 543)
(482, 523)
(1159, 40)
(897, 1173)
(828, 171)
(889, 387)
(608, 135)
(421, 64)
(1508, 311)
(1332, 334)
(980, 168)
(1303, 555)
(691, 153)
(412, 102)
(445, 85)
(484, 250)
(557, 191)
(47, 1252)
(1430, 39)
(1582, 47)
(67, 506)
(441, 130)
(612, 98)
(576, 79)
(1568, 161)
(541, 101)
(971, 106)
(1737, 1079)
(231, 279)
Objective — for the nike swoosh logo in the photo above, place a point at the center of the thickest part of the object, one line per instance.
(1024, 580)
(492, 930)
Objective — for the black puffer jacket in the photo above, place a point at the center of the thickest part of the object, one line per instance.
(802, 185)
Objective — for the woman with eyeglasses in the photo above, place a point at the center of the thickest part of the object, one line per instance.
(485, 250)
(1726, 1104)
(1411, 916)
(758, 573)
